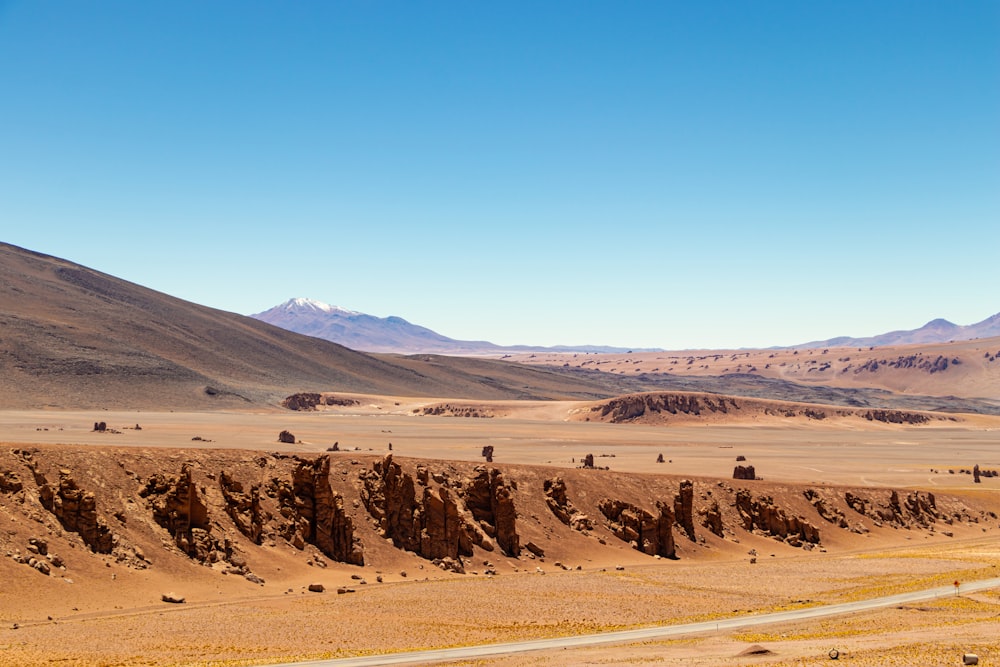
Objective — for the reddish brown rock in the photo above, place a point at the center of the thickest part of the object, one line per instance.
(302, 401)
(762, 514)
(243, 508)
(916, 509)
(684, 508)
(650, 534)
(711, 518)
(286, 438)
(10, 482)
(744, 472)
(76, 510)
(177, 507)
(562, 508)
(490, 500)
(316, 514)
(432, 527)
(825, 508)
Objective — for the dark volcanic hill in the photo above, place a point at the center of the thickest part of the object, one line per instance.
(360, 331)
(73, 337)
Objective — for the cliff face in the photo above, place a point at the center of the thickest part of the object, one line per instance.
(231, 510)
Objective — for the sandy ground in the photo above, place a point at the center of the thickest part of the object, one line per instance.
(227, 622)
(858, 453)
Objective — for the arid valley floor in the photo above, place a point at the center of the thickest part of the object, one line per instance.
(104, 607)
(140, 465)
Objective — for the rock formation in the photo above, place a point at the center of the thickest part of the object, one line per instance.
(627, 408)
(433, 528)
(762, 514)
(562, 508)
(10, 482)
(588, 461)
(243, 508)
(825, 508)
(744, 472)
(177, 507)
(76, 510)
(916, 509)
(711, 518)
(317, 514)
(308, 401)
(488, 498)
(286, 438)
(896, 417)
(684, 508)
(650, 534)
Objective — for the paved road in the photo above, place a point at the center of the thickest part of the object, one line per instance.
(724, 624)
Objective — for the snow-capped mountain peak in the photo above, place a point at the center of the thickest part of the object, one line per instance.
(300, 304)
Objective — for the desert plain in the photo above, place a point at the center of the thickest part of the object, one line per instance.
(105, 607)
(181, 485)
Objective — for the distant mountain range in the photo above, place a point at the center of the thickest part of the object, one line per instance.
(935, 331)
(369, 333)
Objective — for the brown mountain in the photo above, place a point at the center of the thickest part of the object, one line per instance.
(71, 336)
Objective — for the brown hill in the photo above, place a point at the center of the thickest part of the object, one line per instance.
(74, 337)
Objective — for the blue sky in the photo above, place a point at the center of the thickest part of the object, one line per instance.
(648, 174)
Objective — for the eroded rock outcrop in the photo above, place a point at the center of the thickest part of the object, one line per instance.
(562, 508)
(75, 509)
(916, 509)
(243, 507)
(433, 527)
(684, 508)
(178, 507)
(307, 401)
(744, 472)
(896, 417)
(762, 514)
(825, 508)
(645, 532)
(10, 482)
(488, 497)
(628, 408)
(317, 514)
(711, 518)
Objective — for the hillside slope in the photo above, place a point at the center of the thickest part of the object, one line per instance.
(74, 337)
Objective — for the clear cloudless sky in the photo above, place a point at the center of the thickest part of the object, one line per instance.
(648, 174)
